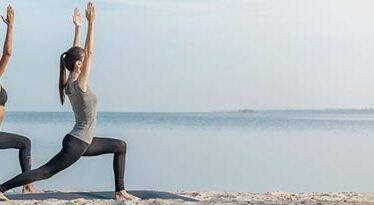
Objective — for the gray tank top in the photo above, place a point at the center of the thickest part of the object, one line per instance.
(84, 107)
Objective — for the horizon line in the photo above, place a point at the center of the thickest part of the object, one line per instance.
(214, 111)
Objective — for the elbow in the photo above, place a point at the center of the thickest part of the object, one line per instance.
(88, 52)
(8, 52)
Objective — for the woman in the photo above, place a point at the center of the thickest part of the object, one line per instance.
(80, 141)
(9, 140)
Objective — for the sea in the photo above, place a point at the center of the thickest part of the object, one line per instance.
(239, 151)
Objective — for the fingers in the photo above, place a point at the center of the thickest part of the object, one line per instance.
(89, 5)
(77, 12)
(77, 17)
(10, 9)
(90, 12)
(74, 13)
(9, 16)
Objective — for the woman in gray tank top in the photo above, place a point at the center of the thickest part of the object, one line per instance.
(11, 140)
(80, 141)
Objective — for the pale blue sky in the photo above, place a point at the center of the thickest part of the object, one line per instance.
(200, 55)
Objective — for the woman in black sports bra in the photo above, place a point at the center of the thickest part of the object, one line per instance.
(9, 140)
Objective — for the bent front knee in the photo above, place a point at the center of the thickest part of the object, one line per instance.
(27, 143)
(121, 146)
(23, 142)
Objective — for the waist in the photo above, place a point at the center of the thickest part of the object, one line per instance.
(69, 139)
(84, 130)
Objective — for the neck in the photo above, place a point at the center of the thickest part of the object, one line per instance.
(73, 75)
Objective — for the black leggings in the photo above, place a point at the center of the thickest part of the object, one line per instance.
(72, 149)
(14, 141)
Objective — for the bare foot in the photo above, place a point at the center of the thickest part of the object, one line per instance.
(124, 195)
(3, 197)
(29, 188)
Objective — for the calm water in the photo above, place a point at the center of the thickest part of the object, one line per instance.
(262, 151)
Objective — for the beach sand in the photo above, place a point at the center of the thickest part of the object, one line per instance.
(227, 198)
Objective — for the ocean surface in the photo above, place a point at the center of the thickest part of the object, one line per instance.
(298, 151)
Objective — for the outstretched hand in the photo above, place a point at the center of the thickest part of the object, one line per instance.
(90, 12)
(9, 16)
(77, 19)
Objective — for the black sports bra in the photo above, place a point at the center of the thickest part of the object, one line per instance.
(3, 96)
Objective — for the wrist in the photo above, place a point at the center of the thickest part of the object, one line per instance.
(10, 25)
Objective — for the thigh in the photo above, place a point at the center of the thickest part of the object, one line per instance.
(10, 140)
(101, 145)
(71, 151)
(61, 161)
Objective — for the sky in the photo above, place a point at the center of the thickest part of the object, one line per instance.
(199, 55)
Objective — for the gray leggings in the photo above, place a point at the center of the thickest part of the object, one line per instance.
(72, 149)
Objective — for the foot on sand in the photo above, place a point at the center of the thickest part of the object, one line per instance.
(29, 188)
(125, 196)
(3, 197)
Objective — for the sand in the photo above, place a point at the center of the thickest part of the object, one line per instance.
(228, 198)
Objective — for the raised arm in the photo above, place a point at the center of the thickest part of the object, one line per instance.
(7, 49)
(85, 71)
(77, 19)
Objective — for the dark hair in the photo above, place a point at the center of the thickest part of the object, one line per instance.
(68, 60)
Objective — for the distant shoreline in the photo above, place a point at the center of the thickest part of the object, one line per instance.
(274, 111)
(334, 110)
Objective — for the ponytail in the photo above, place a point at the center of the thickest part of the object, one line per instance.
(62, 81)
(67, 62)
